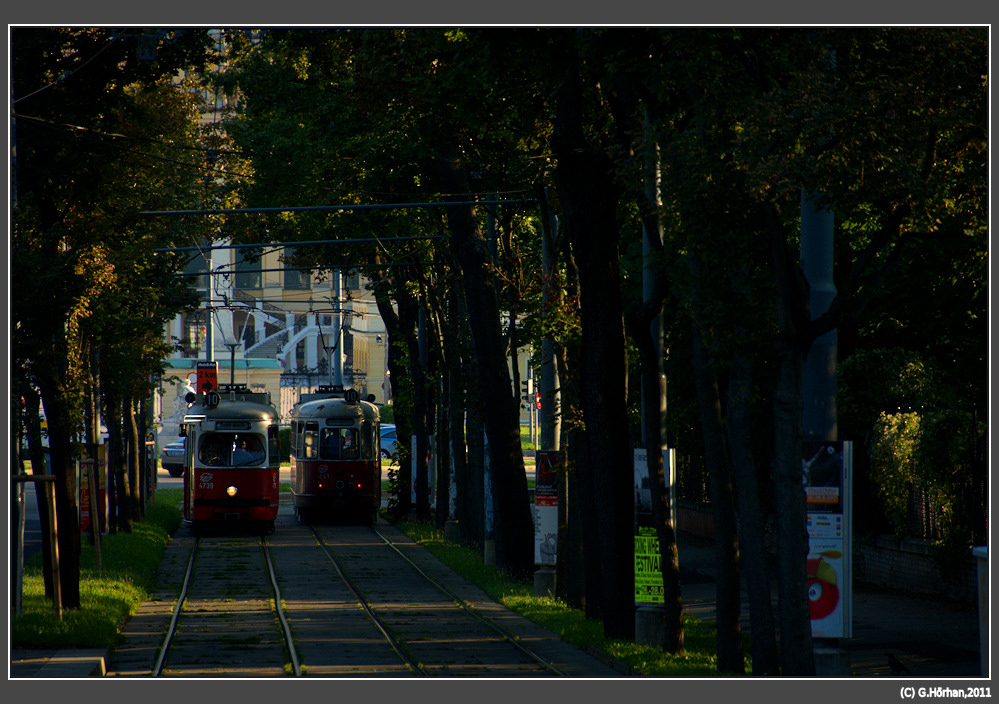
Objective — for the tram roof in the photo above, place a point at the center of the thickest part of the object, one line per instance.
(335, 407)
(243, 410)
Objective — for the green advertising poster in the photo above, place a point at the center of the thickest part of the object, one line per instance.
(648, 567)
(648, 570)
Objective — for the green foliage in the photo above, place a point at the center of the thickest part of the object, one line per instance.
(873, 382)
(892, 463)
(284, 437)
(386, 413)
(934, 452)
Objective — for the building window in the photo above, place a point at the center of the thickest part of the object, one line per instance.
(248, 273)
(295, 280)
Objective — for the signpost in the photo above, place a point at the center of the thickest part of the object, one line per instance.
(208, 376)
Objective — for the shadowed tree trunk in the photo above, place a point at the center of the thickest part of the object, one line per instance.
(514, 524)
(577, 581)
(589, 201)
(653, 388)
(67, 507)
(134, 455)
(729, 633)
(797, 658)
(766, 659)
(36, 452)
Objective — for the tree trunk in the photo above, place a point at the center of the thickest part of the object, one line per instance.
(455, 404)
(476, 498)
(514, 524)
(577, 581)
(407, 330)
(117, 470)
(728, 587)
(792, 534)
(589, 200)
(766, 661)
(134, 457)
(56, 406)
(797, 657)
(38, 466)
(442, 510)
(654, 391)
(472, 499)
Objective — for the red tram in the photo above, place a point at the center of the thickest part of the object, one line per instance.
(335, 460)
(232, 460)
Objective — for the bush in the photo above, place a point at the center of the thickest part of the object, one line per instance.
(387, 413)
(284, 436)
(935, 455)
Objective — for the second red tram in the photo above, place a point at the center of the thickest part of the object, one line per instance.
(232, 461)
(335, 460)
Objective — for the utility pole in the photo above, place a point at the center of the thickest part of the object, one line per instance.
(549, 418)
(546, 456)
(651, 617)
(819, 382)
(338, 317)
(210, 325)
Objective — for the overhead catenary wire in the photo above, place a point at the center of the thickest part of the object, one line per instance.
(344, 207)
(302, 243)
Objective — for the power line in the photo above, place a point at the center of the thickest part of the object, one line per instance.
(280, 245)
(327, 208)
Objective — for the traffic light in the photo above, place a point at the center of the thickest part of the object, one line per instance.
(527, 390)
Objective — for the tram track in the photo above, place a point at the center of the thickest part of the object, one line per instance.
(329, 601)
(382, 627)
(457, 642)
(217, 623)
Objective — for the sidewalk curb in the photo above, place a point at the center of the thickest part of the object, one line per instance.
(51, 664)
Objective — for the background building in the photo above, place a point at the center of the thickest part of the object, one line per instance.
(275, 329)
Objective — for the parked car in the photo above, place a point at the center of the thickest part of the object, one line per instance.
(388, 441)
(172, 458)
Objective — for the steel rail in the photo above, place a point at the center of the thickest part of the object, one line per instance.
(393, 642)
(172, 628)
(289, 639)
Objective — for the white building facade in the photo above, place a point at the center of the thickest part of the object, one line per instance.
(274, 328)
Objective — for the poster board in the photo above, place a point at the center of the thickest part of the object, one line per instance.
(827, 469)
(648, 561)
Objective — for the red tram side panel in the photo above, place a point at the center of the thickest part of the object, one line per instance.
(335, 460)
(232, 463)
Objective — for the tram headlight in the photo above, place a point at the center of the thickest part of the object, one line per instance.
(231, 491)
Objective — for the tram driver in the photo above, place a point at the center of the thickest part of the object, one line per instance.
(247, 450)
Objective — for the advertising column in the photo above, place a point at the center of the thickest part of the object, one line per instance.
(827, 471)
(545, 507)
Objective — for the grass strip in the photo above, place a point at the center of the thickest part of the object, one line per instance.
(699, 658)
(108, 596)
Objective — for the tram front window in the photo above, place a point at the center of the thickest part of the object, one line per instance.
(235, 450)
(339, 444)
(247, 450)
